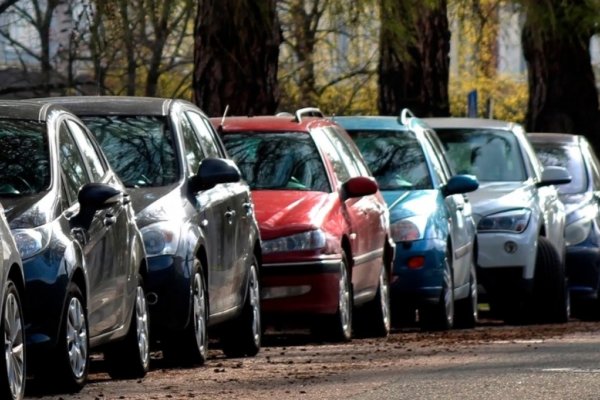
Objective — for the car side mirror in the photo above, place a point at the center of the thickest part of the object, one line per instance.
(213, 171)
(93, 197)
(359, 186)
(554, 176)
(460, 184)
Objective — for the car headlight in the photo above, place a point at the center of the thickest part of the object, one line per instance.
(508, 221)
(576, 232)
(408, 229)
(161, 238)
(32, 241)
(310, 240)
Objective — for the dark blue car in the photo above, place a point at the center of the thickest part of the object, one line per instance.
(582, 232)
(430, 220)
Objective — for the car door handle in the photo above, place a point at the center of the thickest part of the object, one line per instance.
(460, 206)
(230, 214)
(126, 199)
(109, 219)
(248, 207)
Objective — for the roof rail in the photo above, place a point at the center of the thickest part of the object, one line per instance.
(404, 116)
(284, 114)
(309, 112)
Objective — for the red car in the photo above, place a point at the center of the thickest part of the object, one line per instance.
(323, 223)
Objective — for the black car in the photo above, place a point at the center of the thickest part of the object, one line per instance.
(83, 255)
(196, 216)
(12, 290)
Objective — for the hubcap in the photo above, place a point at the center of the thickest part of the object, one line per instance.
(14, 346)
(76, 331)
(199, 314)
(344, 301)
(141, 312)
(255, 304)
(385, 299)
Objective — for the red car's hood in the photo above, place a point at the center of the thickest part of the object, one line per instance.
(285, 212)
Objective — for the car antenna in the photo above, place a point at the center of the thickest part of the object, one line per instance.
(223, 118)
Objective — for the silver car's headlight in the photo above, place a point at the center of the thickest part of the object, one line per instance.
(310, 240)
(576, 232)
(515, 221)
(408, 229)
(32, 241)
(161, 238)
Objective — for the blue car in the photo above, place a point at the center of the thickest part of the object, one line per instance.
(430, 220)
(582, 232)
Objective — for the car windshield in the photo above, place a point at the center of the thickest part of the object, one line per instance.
(493, 155)
(566, 156)
(139, 148)
(395, 158)
(24, 159)
(281, 161)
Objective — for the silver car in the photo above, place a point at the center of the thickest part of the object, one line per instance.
(520, 219)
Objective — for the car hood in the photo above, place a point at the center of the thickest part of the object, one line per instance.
(494, 197)
(285, 212)
(30, 211)
(407, 203)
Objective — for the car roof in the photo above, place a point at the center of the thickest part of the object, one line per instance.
(482, 123)
(22, 109)
(370, 122)
(283, 122)
(114, 105)
(547, 137)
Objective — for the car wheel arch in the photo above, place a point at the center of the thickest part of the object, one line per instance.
(15, 274)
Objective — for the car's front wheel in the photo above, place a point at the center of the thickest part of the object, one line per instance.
(374, 317)
(243, 337)
(550, 290)
(12, 370)
(130, 358)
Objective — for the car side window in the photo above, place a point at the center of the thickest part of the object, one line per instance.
(206, 137)
(439, 153)
(192, 148)
(88, 150)
(71, 163)
(339, 167)
(342, 149)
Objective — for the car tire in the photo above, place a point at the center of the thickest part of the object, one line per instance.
(65, 369)
(243, 337)
(13, 369)
(550, 289)
(190, 347)
(440, 316)
(466, 313)
(374, 318)
(130, 357)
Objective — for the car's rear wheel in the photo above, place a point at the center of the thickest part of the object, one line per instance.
(550, 290)
(190, 347)
(440, 316)
(243, 337)
(130, 357)
(467, 313)
(12, 371)
(374, 317)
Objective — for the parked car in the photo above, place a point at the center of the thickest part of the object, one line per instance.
(324, 224)
(580, 196)
(196, 217)
(12, 292)
(84, 259)
(520, 219)
(431, 222)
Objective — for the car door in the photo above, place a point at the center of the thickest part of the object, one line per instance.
(101, 273)
(213, 215)
(239, 210)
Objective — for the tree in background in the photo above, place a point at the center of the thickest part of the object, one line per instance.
(414, 61)
(328, 55)
(563, 96)
(235, 57)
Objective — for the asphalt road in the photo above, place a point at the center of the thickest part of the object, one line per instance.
(491, 362)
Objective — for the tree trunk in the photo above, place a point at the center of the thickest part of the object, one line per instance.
(562, 91)
(414, 61)
(235, 57)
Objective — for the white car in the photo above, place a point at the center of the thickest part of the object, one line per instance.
(520, 219)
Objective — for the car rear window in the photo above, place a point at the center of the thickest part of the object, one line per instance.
(24, 157)
(395, 159)
(493, 155)
(140, 149)
(278, 161)
(566, 156)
